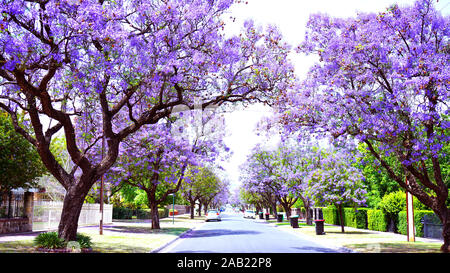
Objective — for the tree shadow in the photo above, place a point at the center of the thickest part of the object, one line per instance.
(217, 232)
(351, 232)
(312, 249)
(146, 230)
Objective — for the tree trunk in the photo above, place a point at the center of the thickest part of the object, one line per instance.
(274, 207)
(287, 209)
(68, 225)
(155, 216)
(192, 210)
(199, 209)
(308, 215)
(445, 219)
(341, 218)
(205, 208)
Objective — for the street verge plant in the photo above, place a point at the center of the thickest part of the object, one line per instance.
(51, 242)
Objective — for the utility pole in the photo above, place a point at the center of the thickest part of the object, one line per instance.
(410, 215)
(101, 191)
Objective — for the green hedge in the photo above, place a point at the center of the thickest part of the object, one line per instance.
(330, 215)
(143, 214)
(418, 215)
(356, 218)
(146, 213)
(163, 213)
(377, 220)
(352, 217)
(122, 213)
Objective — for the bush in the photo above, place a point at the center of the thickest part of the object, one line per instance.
(143, 214)
(163, 213)
(402, 225)
(331, 215)
(49, 240)
(84, 240)
(376, 220)
(122, 213)
(355, 217)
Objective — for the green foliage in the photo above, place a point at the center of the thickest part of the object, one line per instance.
(49, 240)
(143, 214)
(20, 163)
(376, 220)
(163, 212)
(122, 213)
(395, 202)
(331, 215)
(377, 180)
(402, 225)
(355, 217)
(84, 240)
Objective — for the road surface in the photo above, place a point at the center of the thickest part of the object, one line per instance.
(234, 234)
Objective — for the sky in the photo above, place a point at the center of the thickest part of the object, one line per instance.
(291, 17)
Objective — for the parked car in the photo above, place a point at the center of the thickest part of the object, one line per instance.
(213, 215)
(249, 214)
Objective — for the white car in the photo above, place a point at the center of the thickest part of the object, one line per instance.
(249, 214)
(213, 215)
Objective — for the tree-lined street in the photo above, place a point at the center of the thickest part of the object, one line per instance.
(234, 234)
(128, 103)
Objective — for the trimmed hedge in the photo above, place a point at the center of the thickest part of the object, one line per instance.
(331, 215)
(163, 213)
(377, 220)
(418, 215)
(122, 213)
(146, 213)
(356, 218)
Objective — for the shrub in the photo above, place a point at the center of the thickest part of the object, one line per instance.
(402, 225)
(355, 217)
(49, 240)
(122, 213)
(376, 220)
(84, 240)
(143, 214)
(331, 215)
(163, 212)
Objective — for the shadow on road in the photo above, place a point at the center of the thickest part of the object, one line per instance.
(217, 232)
(311, 249)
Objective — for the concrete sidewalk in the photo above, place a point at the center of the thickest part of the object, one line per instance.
(10, 237)
(337, 240)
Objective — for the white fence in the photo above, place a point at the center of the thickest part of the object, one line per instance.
(47, 214)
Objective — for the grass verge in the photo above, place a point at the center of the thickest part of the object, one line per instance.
(365, 241)
(121, 237)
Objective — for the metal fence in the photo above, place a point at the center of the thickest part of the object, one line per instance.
(47, 214)
(12, 205)
(432, 227)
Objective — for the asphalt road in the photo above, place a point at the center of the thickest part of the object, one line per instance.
(234, 234)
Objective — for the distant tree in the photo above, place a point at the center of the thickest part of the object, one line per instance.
(337, 181)
(20, 164)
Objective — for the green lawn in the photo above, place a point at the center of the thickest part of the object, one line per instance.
(121, 237)
(364, 241)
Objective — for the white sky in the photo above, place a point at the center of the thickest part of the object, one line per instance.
(290, 16)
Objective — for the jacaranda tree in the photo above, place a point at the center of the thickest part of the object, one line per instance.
(383, 79)
(337, 181)
(117, 66)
